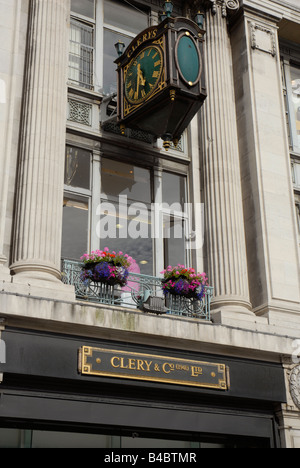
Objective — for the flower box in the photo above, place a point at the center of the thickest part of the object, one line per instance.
(185, 282)
(105, 267)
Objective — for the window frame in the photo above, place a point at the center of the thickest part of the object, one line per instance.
(177, 161)
(115, 29)
(290, 57)
(292, 122)
(84, 193)
(91, 23)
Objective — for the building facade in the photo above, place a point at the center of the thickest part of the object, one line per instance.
(81, 369)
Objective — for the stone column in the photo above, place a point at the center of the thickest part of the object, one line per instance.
(11, 80)
(224, 229)
(38, 213)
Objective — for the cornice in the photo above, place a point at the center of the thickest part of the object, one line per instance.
(263, 9)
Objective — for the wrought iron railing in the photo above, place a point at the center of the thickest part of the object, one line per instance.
(143, 292)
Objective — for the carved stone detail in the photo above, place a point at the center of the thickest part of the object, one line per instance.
(80, 112)
(263, 39)
(227, 6)
(295, 385)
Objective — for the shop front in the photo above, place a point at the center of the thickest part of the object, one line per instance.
(72, 391)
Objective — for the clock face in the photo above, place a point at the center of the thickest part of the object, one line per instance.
(143, 74)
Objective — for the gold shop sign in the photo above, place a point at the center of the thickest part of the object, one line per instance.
(127, 365)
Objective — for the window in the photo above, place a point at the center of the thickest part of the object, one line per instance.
(296, 173)
(75, 226)
(292, 81)
(295, 104)
(81, 55)
(291, 85)
(110, 202)
(77, 202)
(137, 210)
(125, 223)
(84, 8)
(121, 23)
(298, 214)
(174, 218)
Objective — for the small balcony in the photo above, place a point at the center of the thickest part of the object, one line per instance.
(142, 293)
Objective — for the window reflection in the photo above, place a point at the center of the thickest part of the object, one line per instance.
(75, 227)
(77, 168)
(125, 179)
(174, 189)
(109, 57)
(125, 17)
(85, 8)
(121, 23)
(125, 218)
(174, 222)
(174, 241)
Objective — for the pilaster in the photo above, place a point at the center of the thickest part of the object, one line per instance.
(272, 245)
(225, 236)
(38, 214)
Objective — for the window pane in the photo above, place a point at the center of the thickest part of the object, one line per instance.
(84, 7)
(139, 249)
(77, 168)
(109, 57)
(174, 241)
(295, 77)
(81, 54)
(127, 228)
(126, 223)
(174, 189)
(125, 179)
(298, 215)
(296, 173)
(125, 17)
(75, 227)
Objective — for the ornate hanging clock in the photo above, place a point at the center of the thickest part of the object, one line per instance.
(161, 79)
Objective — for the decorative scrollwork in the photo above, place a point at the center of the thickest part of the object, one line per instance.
(226, 6)
(232, 4)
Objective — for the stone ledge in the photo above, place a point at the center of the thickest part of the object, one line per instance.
(116, 323)
(55, 289)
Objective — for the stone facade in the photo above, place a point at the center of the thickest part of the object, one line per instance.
(240, 149)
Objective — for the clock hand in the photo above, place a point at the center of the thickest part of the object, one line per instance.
(140, 75)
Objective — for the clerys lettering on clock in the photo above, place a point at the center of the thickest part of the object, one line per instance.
(143, 74)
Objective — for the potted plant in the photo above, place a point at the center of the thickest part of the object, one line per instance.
(185, 282)
(103, 266)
